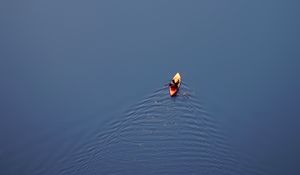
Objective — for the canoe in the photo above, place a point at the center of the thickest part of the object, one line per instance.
(173, 89)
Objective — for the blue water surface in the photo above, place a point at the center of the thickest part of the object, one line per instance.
(83, 87)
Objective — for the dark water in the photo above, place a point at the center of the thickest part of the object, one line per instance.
(81, 87)
(161, 135)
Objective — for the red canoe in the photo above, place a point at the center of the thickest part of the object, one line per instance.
(173, 89)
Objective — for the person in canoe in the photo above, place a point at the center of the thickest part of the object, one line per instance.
(174, 84)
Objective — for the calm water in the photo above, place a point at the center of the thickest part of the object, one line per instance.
(82, 87)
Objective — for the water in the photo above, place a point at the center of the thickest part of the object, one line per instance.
(161, 135)
(82, 87)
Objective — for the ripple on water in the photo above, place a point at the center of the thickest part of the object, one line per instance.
(160, 135)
